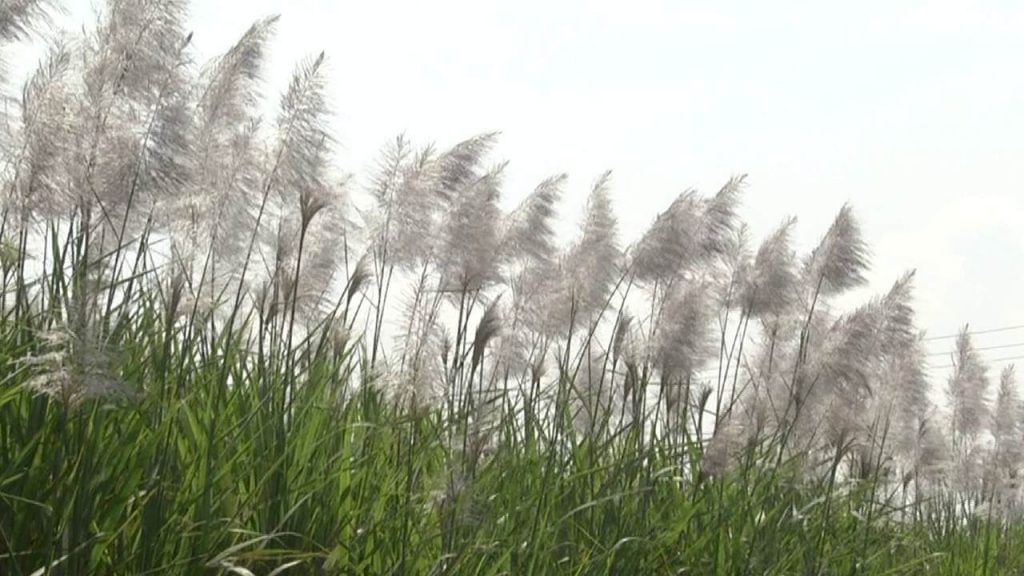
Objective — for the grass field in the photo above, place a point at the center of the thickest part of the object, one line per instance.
(220, 355)
(203, 463)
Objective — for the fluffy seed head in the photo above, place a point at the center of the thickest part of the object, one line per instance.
(966, 390)
(591, 265)
(1008, 425)
(527, 231)
(770, 287)
(71, 368)
(840, 260)
(486, 330)
(468, 257)
(672, 242)
(683, 339)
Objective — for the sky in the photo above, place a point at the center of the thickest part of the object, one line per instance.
(913, 112)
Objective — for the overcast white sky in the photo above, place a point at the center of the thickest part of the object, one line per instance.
(911, 111)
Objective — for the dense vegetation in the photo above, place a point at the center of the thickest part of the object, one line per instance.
(221, 354)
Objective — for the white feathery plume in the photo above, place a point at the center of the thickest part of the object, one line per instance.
(724, 449)
(487, 329)
(898, 314)
(301, 163)
(132, 118)
(163, 153)
(72, 368)
(386, 179)
(140, 46)
(323, 247)
(736, 263)
(527, 232)
(899, 398)
(486, 396)
(459, 166)
(624, 342)
(931, 454)
(840, 260)
(404, 191)
(513, 353)
(719, 216)
(413, 211)
(687, 233)
(420, 380)
(966, 390)
(414, 192)
(468, 256)
(843, 361)
(1008, 426)
(770, 286)
(882, 326)
(833, 357)
(672, 242)
(39, 147)
(551, 297)
(627, 353)
(319, 259)
(359, 277)
(308, 205)
(592, 264)
(541, 299)
(485, 393)
(527, 254)
(16, 20)
(903, 395)
(229, 83)
(684, 337)
(215, 212)
(852, 350)
(16, 17)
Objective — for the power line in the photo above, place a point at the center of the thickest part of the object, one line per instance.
(993, 361)
(1000, 347)
(976, 332)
